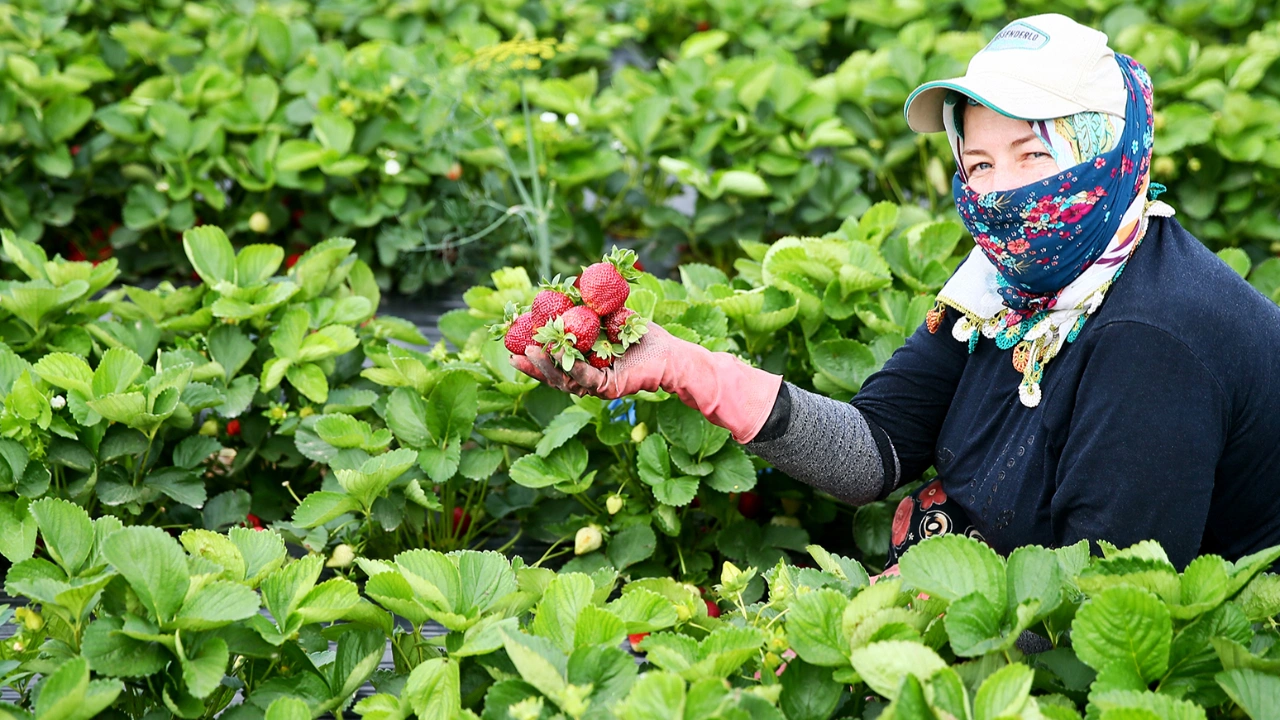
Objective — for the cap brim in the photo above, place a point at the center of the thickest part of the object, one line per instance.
(1007, 96)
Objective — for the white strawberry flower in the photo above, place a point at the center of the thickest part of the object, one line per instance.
(392, 167)
(57, 402)
(549, 117)
(571, 119)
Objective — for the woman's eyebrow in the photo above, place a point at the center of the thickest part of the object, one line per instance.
(1023, 140)
(975, 151)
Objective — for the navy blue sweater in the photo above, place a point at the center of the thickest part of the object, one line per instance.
(1161, 421)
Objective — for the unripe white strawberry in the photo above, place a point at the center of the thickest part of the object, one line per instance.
(587, 540)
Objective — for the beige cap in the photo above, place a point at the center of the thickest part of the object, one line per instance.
(1036, 68)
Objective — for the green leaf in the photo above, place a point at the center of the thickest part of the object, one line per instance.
(406, 416)
(844, 362)
(1034, 573)
(299, 155)
(309, 380)
(373, 477)
(194, 450)
(343, 431)
(808, 692)
(359, 652)
(1258, 693)
(1124, 625)
(631, 545)
(67, 532)
(230, 348)
(539, 663)
(285, 707)
(64, 117)
(974, 625)
(563, 427)
(320, 507)
(883, 665)
(67, 371)
(952, 566)
(733, 470)
(116, 372)
(654, 696)
(1004, 693)
(257, 263)
(452, 408)
(434, 689)
(1162, 706)
(643, 610)
(112, 653)
(202, 671)
(334, 131)
(557, 614)
(68, 694)
(155, 566)
(217, 604)
(565, 465)
(814, 628)
(329, 341)
(17, 530)
(211, 254)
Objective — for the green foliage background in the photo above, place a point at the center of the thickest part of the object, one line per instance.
(123, 122)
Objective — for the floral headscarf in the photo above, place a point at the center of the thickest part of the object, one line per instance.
(1047, 253)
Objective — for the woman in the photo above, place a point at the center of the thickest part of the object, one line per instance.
(1090, 371)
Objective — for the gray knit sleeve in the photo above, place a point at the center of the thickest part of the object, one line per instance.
(831, 446)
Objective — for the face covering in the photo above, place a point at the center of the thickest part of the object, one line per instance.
(1043, 236)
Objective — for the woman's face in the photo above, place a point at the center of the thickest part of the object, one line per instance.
(1001, 153)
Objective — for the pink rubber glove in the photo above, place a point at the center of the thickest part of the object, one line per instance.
(727, 391)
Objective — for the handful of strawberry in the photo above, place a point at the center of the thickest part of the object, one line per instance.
(556, 321)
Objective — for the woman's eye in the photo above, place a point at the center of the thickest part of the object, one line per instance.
(979, 167)
(1038, 155)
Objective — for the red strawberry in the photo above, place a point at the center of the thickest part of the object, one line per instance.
(75, 254)
(520, 334)
(603, 353)
(703, 26)
(547, 305)
(583, 324)
(603, 288)
(604, 285)
(625, 327)
(233, 427)
(253, 521)
(291, 260)
(713, 610)
(98, 234)
(461, 520)
(749, 504)
(455, 171)
(635, 639)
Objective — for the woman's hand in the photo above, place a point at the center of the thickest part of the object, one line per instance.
(641, 367)
(727, 391)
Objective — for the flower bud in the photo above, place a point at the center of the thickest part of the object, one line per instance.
(342, 556)
(729, 573)
(57, 402)
(587, 540)
(30, 619)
